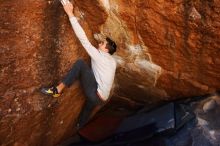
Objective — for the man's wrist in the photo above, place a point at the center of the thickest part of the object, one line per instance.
(70, 15)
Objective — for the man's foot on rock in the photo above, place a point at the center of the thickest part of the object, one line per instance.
(52, 91)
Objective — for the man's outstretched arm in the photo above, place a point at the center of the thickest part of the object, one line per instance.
(80, 33)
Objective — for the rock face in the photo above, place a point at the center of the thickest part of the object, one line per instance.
(166, 50)
(170, 46)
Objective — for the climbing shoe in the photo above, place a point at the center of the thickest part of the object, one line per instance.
(52, 91)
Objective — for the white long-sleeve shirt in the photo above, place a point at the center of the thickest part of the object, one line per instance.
(103, 64)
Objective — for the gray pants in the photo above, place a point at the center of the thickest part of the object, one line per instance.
(80, 70)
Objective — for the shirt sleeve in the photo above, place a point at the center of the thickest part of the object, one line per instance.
(80, 33)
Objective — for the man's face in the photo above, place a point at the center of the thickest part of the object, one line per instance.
(102, 45)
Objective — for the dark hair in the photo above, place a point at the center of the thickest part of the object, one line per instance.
(111, 46)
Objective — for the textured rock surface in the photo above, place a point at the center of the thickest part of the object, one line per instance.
(171, 47)
(37, 49)
(167, 49)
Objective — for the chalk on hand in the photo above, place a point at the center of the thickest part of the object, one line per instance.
(64, 2)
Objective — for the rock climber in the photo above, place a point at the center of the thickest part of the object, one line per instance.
(96, 81)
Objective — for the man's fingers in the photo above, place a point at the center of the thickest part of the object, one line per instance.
(62, 2)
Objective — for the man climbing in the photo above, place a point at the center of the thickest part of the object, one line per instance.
(95, 81)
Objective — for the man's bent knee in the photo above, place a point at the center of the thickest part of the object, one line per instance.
(80, 61)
